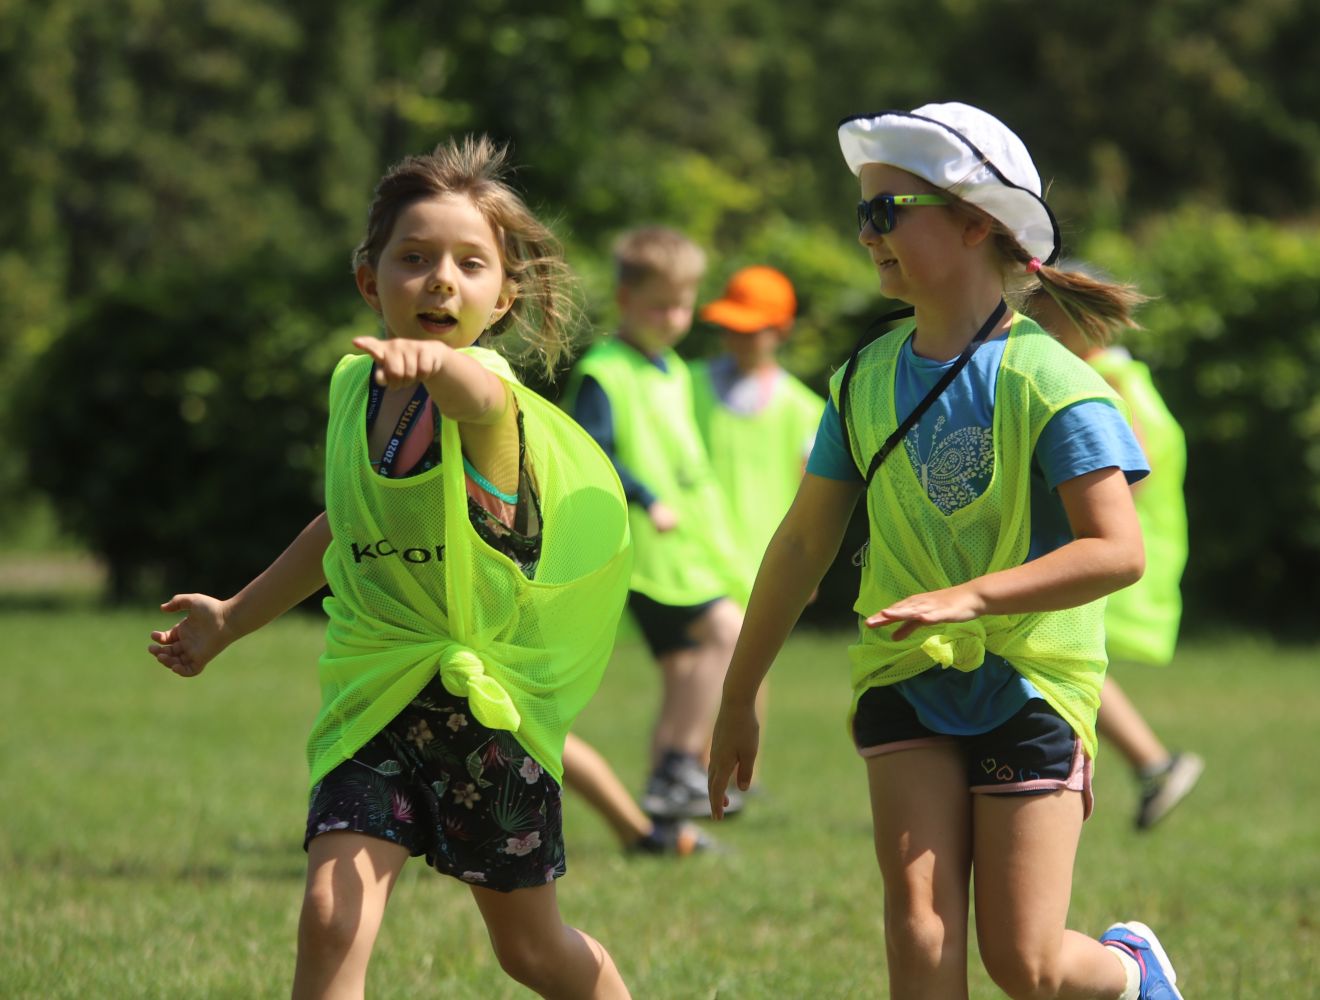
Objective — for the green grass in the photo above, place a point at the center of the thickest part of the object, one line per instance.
(150, 842)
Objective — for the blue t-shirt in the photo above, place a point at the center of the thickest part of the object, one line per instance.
(951, 452)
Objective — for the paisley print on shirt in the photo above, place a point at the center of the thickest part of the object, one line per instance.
(954, 467)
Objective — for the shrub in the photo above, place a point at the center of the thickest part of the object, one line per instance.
(1233, 340)
(178, 427)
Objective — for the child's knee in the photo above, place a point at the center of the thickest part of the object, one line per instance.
(527, 959)
(917, 940)
(1019, 972)
(328, 925)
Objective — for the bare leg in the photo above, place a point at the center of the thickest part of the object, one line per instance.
(349, 879)
(535, 946)
(692, 681)
(1025, 848)
(922, 815)
(588, 774)
(1121, 724)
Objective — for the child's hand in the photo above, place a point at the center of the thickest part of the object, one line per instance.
(403, 362)
(952, 604)
(663, 517)
(733, 748)
(197, 640)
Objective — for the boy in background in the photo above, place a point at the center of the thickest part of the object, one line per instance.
(633, 394)
(758, 422)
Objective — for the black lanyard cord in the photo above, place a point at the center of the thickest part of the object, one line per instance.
(936, 390)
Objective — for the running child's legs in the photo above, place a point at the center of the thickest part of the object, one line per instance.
(1125, 727)
(693, 676)
(589, 774)
(535, 946)
(349, 879)
(921, 809)
(1006, 807)
(1023, 855)
(434, 783)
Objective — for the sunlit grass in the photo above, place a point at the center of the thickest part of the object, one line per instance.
(151, 840)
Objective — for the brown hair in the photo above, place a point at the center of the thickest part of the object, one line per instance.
(657, 252)
(1099, 306)
(545, 311)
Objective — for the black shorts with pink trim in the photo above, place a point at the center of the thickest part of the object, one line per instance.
(1033, 753)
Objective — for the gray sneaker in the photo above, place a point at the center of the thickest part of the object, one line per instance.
(677, 790)
(1163, 789)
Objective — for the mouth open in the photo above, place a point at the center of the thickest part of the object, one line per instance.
(437, 321)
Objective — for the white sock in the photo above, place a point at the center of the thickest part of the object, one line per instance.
(1132, 991)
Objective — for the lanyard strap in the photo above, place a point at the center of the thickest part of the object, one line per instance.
(867, 336)
(407, 421)
(936, 390)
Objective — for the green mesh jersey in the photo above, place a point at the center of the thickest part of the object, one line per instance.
(915, 547)
(758, 458)
(1141, 621)
(655, 436)
(417, 593)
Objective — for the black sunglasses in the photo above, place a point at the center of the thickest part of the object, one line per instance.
(879, 211)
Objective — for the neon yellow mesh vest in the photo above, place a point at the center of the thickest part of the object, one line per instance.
(757, 458)
(1141, 621)
(655, 435)
(915, 548)
(417, 593)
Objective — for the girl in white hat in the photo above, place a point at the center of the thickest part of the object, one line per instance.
(995, 468)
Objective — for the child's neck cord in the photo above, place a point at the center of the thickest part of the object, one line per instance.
(406, 423)
(901, 431)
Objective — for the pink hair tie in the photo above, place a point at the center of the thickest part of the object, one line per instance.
(1033, 265)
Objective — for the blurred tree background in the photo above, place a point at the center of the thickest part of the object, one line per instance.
(184, 182)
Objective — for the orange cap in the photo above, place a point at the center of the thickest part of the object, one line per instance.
(754, 298)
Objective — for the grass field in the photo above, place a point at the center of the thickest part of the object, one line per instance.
(150, 841)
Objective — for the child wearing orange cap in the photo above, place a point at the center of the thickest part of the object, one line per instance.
(757, 420)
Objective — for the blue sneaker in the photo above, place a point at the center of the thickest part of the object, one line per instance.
(1140, 943)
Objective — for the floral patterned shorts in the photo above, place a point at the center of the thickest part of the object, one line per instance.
(438, 782)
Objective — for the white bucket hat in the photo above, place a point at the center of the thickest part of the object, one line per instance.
(967, 152)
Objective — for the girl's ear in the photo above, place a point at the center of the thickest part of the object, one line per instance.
(366, 283)
(508, 294)
(976, 229)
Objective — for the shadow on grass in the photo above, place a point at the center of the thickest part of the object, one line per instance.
(53, 583)
(260, 862)
(50, 602)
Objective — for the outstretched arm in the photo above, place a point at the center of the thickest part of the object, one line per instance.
(211, 625)
(466, 392)
(1106, 554)
(462, 387)
(795, 561)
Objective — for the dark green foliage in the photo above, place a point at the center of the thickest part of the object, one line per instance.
(1233, 340)
(178, 427)
(142, 140)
